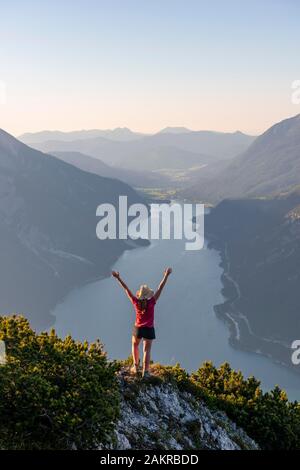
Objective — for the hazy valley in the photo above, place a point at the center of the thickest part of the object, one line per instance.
(258, 237)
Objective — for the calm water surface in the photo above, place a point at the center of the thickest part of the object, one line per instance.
(187, 328)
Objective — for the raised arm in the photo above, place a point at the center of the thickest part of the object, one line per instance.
(116, 275)
(162, 283)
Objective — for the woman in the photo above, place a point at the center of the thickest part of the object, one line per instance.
(143, 303)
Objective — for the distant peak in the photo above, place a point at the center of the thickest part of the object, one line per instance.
(122, 129)
(175, 130)
(239, 133)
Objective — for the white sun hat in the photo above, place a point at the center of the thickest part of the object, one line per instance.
(145, 293)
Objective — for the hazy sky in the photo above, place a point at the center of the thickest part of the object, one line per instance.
(147, 64)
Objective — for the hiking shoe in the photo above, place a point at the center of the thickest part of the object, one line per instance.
(146, 374)
(135, 369)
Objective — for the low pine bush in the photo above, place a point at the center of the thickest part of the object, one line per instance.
(269, 418)
(55, 393)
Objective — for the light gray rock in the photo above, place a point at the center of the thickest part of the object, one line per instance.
(163, 417)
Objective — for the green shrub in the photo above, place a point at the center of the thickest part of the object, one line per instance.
(55, 393)
(269, 418)
(63, 394)
(174, 375)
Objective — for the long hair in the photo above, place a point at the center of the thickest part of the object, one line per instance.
(143, 304)
(144, 294)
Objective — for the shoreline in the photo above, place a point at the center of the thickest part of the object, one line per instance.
(241, 335)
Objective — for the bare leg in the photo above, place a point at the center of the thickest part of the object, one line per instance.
(147, 354)
(135, 350)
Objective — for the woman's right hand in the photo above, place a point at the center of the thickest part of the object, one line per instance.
(168, 271)
(116, 274)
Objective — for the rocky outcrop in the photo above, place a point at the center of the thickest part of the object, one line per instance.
(160, 416)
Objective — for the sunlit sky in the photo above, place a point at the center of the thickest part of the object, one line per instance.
(220, 65)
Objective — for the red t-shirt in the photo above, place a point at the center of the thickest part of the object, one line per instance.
(144, 318)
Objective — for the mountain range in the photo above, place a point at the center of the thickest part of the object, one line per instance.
(255, 223)
(48, 229)
(165, 150)
(270, 165)
(256, 226)
(259, 241)
(120, 134)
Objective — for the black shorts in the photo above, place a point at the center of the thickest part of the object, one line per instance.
(144, 332)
